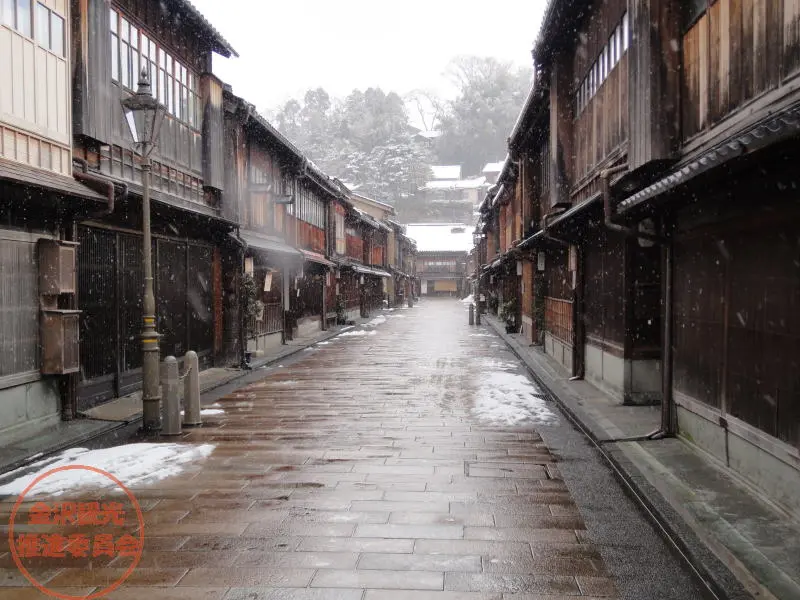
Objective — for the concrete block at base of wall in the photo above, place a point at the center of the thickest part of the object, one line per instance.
(308, 325)
(643, 382)
(259, 345)
(604, 370)
(705, 434)
(777, 479)
(773, 477)
(638, 382)
(560, 351)
(38, 401)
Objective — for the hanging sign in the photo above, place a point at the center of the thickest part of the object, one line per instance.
(248, 265)
(268, 281)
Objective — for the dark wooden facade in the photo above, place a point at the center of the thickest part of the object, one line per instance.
(688, 118)
(111, 43)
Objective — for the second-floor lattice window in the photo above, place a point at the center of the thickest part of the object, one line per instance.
(308, 208)
(49, 30)
(341, 237)
(602, 67)
(35, 21)
(171, 81)
(18, 15)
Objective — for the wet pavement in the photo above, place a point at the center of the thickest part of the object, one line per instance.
(411, 458)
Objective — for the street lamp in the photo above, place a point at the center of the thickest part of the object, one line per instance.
(144, 116)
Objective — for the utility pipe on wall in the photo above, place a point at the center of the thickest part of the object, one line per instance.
(667, 422)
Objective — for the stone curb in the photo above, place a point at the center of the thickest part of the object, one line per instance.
(679, 534)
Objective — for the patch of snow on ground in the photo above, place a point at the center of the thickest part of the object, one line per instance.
(491, 335)
(468, 300)
(358, 333)
(397, 316)
(132, 464)
(510, 399)
(379, 320)
(207, 412)
(322, 343)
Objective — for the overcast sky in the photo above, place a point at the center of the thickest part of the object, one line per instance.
(288, 46)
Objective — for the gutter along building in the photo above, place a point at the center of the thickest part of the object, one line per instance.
(233, 201)
(628, 204)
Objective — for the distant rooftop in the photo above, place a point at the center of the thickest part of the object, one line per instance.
(459, 184)
(441, 237)
(446, 171)
(494, 167)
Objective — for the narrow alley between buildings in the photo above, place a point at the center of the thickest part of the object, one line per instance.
(412, 457)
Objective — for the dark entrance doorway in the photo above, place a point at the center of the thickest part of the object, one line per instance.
(110, 282)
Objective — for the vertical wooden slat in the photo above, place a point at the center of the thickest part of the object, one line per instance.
(718, 59)
(760, 45)
(774, 39)
(702, 43)
(748, 51)
(735, 44)
(791, 35)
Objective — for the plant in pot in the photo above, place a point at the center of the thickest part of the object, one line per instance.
(341, 313)
(508, 312)
(253, 308)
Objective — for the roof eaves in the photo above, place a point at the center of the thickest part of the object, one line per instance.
(220, 44)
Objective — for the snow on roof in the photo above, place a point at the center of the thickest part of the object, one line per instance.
(446, 171)
(440, 237)
(461, 184)
(494, 167)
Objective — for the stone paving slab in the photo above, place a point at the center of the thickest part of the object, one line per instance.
(375, 468)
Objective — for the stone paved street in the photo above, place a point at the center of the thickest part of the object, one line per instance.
(408, 459)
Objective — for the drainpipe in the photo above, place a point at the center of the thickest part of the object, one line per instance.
(605, 179)
(667, 427)
(111, 193)
(548, 236)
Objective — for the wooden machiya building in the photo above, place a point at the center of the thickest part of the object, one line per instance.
(638, 156)
(378, 235)
(402, 261)
(360, 257)
(441, 258)
(39, 201)
(110, 43)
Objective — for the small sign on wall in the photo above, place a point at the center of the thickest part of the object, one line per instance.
(248, 265)
(268, 281)
(540, 261)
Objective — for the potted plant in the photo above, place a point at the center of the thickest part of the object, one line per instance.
(508, 312)
(341, 313)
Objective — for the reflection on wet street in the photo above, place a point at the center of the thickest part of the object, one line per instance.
(401, 456)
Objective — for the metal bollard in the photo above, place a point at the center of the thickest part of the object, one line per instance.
(410, 301)
(472, 314)
(478, 315)
(171, 407)
(191, 390)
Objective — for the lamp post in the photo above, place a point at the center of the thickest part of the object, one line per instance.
(144, 116)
